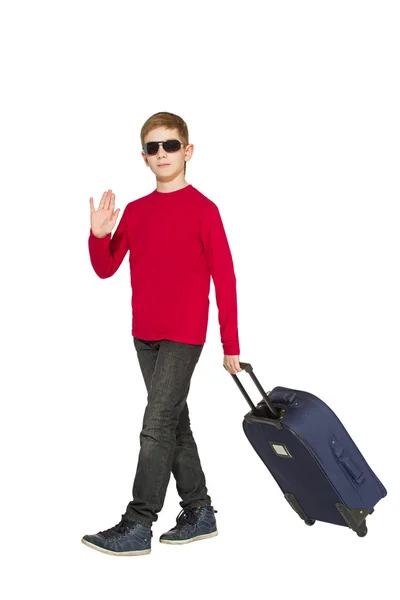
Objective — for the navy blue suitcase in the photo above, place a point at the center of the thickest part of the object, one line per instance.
(315, 462)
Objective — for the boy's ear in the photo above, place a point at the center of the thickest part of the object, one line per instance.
(189, 151)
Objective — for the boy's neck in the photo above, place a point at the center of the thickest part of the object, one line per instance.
(171, 186)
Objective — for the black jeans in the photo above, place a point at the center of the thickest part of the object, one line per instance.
(166, 440)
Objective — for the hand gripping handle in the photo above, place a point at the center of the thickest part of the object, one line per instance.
(249, 369)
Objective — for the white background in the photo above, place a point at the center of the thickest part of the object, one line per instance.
(293, 110)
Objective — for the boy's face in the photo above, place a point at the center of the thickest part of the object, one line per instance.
(176, 160)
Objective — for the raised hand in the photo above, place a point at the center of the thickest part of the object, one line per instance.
(103, 219)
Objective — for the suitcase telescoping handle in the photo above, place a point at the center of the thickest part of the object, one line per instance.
(249, 369)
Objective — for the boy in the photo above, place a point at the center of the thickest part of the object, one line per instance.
(176, 240)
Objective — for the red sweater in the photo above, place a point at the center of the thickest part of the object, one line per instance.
(176, 241)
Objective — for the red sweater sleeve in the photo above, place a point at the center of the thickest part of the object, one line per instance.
(106, 254)
(220, 264)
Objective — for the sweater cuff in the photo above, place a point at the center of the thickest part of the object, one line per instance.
(231, 349)
(93, 237)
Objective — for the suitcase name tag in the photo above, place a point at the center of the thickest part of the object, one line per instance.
(280, 450)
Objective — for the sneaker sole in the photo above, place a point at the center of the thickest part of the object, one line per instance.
(129, 553)
(194, 539)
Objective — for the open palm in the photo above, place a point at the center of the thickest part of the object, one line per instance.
(103, 219)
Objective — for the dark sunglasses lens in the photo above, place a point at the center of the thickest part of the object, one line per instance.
(151, 148)
(172, 145)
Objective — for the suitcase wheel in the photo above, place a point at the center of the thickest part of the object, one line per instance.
(309, 521)
(362, 530)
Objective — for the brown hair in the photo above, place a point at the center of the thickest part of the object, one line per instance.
(168, 120)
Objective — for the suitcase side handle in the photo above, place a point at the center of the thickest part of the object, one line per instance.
(249, 369)
(344, 458)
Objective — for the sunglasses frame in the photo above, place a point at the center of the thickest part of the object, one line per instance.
(144, 148)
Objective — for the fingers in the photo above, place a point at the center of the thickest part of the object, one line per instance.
(115, 216)
(232, 368)
(102, 201)
(106, 199)
(107, 203)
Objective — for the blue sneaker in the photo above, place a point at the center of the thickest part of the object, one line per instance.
(197, 523)
(127, 538)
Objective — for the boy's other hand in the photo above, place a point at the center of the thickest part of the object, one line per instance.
(103, 219)
(232, 363)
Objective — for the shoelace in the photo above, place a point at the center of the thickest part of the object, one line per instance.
(120, 527)
(188, 515)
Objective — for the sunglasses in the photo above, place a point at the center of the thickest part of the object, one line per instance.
(168, 145)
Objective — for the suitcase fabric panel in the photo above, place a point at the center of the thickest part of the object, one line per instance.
(298, 474)
(326, 437)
